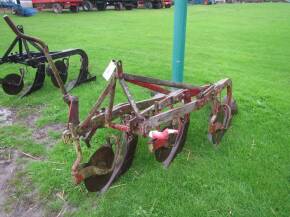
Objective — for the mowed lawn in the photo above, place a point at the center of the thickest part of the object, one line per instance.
(247, 175)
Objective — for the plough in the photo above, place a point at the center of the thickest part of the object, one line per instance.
(164, 119)
(43, 60)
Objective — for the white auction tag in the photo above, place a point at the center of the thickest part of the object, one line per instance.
(109, 71)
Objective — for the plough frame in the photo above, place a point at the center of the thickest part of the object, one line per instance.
(141, 119)
(38, 59)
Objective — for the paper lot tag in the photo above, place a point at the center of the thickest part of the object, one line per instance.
(109, 71)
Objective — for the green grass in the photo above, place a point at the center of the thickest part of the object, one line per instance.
(248, 175)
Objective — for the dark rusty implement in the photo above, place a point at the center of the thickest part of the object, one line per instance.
(34, 53)
(164, 119)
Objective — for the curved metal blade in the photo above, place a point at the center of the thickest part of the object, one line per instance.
(180, 140)
(103, 158)
(38, 81)
(124, 160)
(62, 69)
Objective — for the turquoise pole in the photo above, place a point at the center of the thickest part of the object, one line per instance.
(180, 14)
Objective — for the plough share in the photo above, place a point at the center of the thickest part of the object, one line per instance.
(164, 119)
(43, 60)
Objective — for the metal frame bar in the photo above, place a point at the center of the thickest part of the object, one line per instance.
(146, 114)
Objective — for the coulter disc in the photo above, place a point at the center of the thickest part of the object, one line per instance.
(233, 105)
(221, 123)
(12, 84)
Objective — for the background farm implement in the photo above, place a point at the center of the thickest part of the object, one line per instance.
(164, 119)
(87, 5)
(41, 59)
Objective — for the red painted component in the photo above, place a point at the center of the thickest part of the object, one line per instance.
(120, 127)
(149, 86)
(167, 2)
(160, 139)
(78, 178)
(193, 92)
(73, 104)
(42, 4)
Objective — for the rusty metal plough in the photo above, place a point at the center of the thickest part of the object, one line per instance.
(34, 53)
(164, 119)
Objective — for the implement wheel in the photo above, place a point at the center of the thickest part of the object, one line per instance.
(12, 84)
(57, 8)
(116, 163)
(87, 6)
(148, 5)
(233, 105)
(220, 119)
(219, 123)
(157, 5)
(175, 142)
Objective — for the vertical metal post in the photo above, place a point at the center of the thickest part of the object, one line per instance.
(180, 14)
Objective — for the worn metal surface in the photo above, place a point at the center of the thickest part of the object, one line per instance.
(167, 112)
